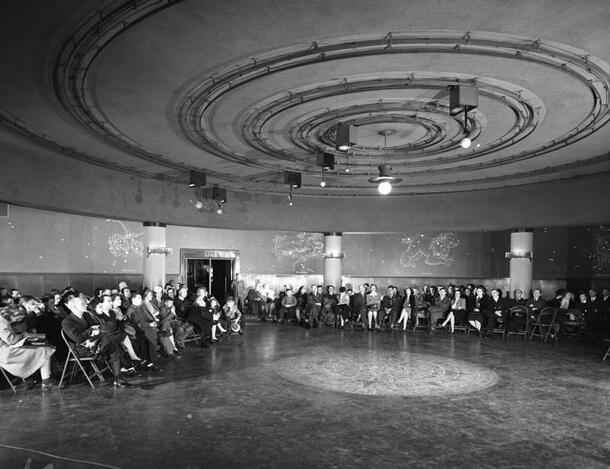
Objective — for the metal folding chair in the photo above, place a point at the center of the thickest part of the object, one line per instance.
(545, 325)
(423, 319)
(78, 363)
(9, 380)
(518, 314)
(575, 323)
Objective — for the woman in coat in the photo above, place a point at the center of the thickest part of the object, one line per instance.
(16, 356)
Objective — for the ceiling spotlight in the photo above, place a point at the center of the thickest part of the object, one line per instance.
(345, 137)
(385, 179)
(293, 179)
(322, 183)
(465, 142)
(326, 161)
(219, 194)
(197, 179)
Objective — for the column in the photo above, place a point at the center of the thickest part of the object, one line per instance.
(521, 257)
(154, 252)
(333, 258)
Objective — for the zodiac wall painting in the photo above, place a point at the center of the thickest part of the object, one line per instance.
(432, 250)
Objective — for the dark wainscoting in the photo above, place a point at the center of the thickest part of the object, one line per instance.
(37, 284)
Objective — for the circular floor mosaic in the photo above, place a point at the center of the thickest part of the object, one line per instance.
(386, 373)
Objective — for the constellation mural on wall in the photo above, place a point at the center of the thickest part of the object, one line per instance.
(600, 249)
(433, 250)
(122, 244)
(302, 247)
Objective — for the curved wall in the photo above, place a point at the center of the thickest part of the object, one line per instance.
(38, 177)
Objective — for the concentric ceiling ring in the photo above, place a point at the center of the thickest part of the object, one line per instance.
(305, 130)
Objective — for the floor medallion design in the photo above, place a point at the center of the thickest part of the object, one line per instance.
(386, 373)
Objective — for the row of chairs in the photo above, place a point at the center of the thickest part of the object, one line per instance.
(91, 367)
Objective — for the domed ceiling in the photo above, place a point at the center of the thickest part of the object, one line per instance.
(245, 91)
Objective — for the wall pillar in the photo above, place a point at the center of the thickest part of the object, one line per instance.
(333, 259)
(521, 257)
(154, 252)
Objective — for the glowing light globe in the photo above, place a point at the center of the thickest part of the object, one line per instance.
(199, 205)
(466, 142)
(384, 187)
(322, 183)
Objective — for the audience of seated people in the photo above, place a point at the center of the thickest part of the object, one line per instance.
(126, 328)
(138, 330)
(439, 307)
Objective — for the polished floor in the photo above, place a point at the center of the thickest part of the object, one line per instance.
(282, 396)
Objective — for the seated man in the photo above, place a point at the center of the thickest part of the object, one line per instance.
(232, 316)
(169, 321)
(440, 308)
(497, 312)
(88, 340)
(535, 304)
(518, 299)
(288, 306)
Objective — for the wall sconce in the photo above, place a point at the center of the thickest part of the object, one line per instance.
(519, 255)
(158, 250)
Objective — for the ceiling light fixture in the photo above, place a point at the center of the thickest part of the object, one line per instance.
(463, 99)
(293, 179)
(385, 179)
(197, 179)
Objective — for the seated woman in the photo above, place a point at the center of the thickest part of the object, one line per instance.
(299, 311)
(373, 301)
(342, 311)
(16, 356)
(407, 308)
(480, 310)
(200, 316)
(457, 311)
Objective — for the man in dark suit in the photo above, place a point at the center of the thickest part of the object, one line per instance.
(440, 308)
(89, 340)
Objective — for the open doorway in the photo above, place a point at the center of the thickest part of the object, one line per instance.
(212, 269)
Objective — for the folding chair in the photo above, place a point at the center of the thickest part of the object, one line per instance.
(192, 335)
(518, 314)
(9, 380)
(79, 363)
(423, 319)
(575, 323)
(545, 324)
(499, 325)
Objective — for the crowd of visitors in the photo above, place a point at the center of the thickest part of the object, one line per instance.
(435, 307)
(140, 330)
(129, 329)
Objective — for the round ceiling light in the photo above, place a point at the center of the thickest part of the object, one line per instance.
(465, 142)
(384, 187)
